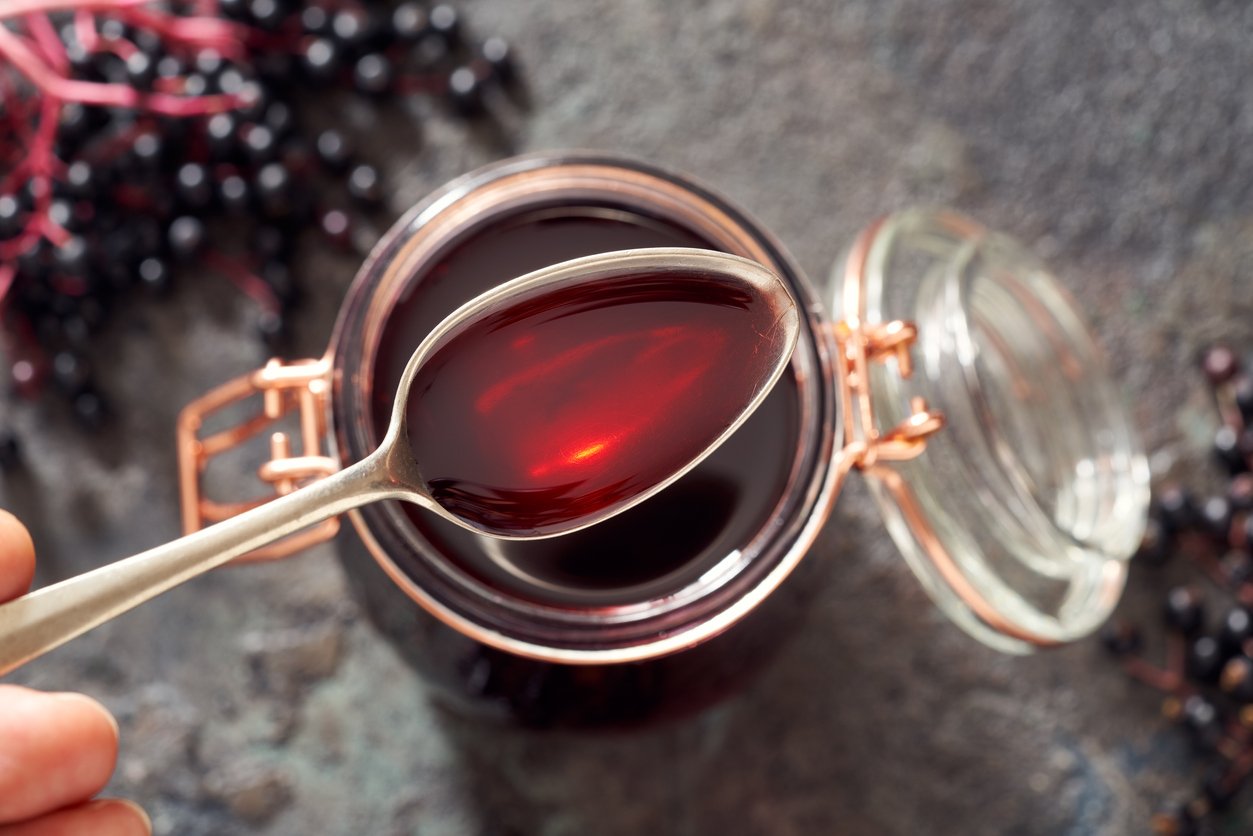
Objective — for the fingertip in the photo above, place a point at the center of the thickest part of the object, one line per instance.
(90, 705)
(131, 818)
(60, 749)
(103, 817)
(17, 557)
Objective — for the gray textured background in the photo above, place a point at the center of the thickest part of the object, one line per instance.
(1114, 137)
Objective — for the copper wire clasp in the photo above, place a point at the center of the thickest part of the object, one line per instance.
(300, 388)
(859, 347)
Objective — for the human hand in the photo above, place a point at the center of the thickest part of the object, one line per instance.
(56, 750)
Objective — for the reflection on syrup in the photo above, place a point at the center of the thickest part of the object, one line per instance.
(574, 402)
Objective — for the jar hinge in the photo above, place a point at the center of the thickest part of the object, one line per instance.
(300, 388)
(864, 443)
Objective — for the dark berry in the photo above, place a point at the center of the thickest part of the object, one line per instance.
(186, 236)
(81, 179)
(273, 187)
(1237, 678)
(220, 131)
(272, 328)
(1120, 638)
(255, 97)
(195, 84)
(61, 213)
(465, 91)
(336, 226)
(1202, 718)
(170, 66)
(1184, 612)
(231, 81)
(234, 193)
(409, 21)
(279, 118)
(1242, 390)
(1240, 492)
(430, 51)
(140, 70)
(209, 63)
(259, 143)
(372, 74)
(1175, 508)
(234, 9)
(333, 150)
(70, 372)
(445, 22)
(315, 20)
(1206, 659)
(297, 154)
(154, 274)
(1237, 628)
(89, 409)
(11, 216)
(1215, 517)
(1220, 787)
(1228, 450)
(147, 150)
(193, 186)
(365, 185)
(112, 29)
(1238, 566)
(74, 122)
(350, 27)
(267, 14)
(10, 450)
(320, 59)
(496, 53)
(71, 256)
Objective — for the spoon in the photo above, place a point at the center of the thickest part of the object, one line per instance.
(708, 336)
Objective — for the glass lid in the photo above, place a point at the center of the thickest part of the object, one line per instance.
(1019, 512)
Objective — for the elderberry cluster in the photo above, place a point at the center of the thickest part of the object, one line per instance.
(1208, 672)
(188, 152)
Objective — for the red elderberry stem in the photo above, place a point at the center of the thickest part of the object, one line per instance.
(63, 89)
(8, 271)
(20, 8)
(49, 43)
(120, 47)
(224, 36)
(1163, 680)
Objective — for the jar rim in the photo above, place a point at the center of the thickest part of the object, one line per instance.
(651, 628)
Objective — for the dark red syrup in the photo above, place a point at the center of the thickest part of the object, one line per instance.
(570, 403)
(707, 516)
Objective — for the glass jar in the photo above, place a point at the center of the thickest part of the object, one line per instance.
(1005, 466)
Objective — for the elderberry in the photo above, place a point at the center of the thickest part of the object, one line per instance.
(1206, 658)
(1120, 638)
(1184, 612)
(1213, 680)
(140, 192)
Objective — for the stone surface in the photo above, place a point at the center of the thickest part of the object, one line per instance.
(1112, 137)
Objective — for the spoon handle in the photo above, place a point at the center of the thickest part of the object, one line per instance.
(47, 618)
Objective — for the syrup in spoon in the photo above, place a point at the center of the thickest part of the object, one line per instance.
(541, 407)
